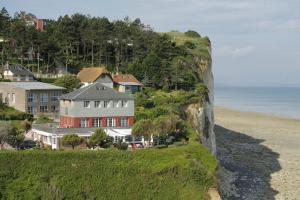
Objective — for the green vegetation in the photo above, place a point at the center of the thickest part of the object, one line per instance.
(98, 139)
(191, 33)
(202, 43)
(174, 173)
(71, 140)
(162, 114)
(13, 137)
(9, 113)
(126, 46)
(70, 82)
(42, 119)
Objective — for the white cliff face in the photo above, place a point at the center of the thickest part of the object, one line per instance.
(207, 111)
(203, 116)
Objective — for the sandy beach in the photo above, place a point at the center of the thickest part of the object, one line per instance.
(259, 155)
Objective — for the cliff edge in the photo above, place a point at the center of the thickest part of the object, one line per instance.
(202, 115)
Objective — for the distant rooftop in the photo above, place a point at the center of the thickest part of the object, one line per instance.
(126, 79)
(18, 69)
(90, 74)
(96, 91)
(31, 85)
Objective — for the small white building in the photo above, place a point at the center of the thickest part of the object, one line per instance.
(50, 134)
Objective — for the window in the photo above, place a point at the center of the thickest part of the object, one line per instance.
(83, 123)
(86, 104)
(97, 104)
(30, 97)
(116, 104)
(124, 122)
(124, 104)
(55, 96)
(53, 109)
(43, 109)
(8, 97)
(111, 122)
(44, 97)
(30, 109)
(106, 104)
(97, 122)
(13, 97)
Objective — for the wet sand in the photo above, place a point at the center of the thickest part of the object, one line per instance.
(259, 155)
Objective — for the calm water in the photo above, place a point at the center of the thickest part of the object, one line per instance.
(281, 101)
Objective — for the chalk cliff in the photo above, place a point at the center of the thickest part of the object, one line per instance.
(202, 115)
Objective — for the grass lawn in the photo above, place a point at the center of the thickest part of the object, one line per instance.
(184, 172)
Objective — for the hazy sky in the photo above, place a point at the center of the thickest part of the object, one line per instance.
(255, 42)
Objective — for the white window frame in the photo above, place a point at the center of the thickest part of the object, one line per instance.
(97, 122)
(86, 104)
(111, 122)
(124, 122)
(84, 123)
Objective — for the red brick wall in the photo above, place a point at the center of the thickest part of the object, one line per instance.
(130, 121)
(74, 122)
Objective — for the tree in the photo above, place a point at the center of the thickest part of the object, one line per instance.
(26, 125)
(143, 127)
(4, 130)
(98, 138)
(70, 82)
(15, 137)
(72, 139)
(153, 68)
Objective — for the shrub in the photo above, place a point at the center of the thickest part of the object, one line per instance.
(42, 119)
(70, 82)
(190, 45)
(26, 125)
(191, 33)
(98, 138)
(122, 146)
(9, 113)
(72, 140)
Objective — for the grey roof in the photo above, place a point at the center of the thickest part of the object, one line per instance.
(54, 128)
(96, 91)
(18, 69)
(31, 85)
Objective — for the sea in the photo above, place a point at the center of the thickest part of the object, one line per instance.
(277, 101)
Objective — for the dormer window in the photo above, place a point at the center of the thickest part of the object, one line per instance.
(97, 104)
(86, 104)
(106, 104)
(124, 104)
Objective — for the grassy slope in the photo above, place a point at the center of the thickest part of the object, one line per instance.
(174, 173)
(202, 44)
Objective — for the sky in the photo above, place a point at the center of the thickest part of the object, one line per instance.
(254, 42)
